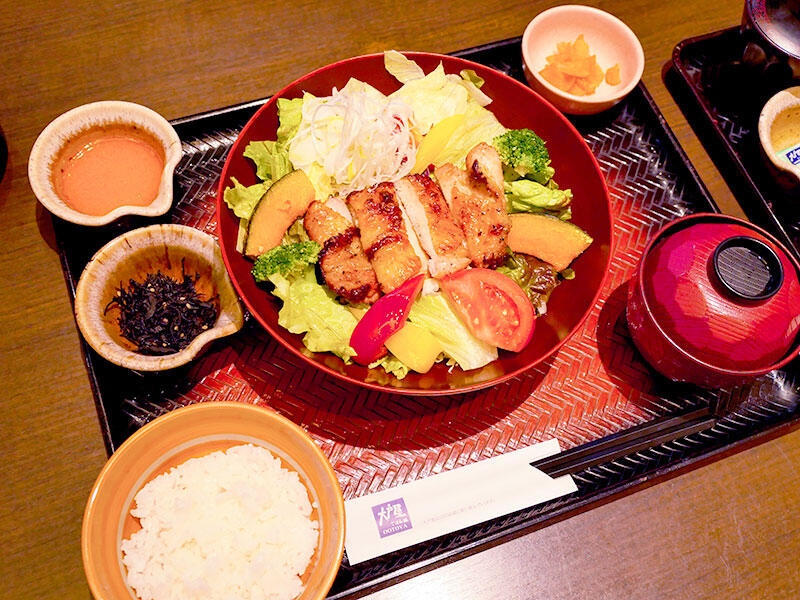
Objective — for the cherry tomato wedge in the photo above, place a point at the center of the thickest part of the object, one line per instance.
(494, 308)
(383, 319)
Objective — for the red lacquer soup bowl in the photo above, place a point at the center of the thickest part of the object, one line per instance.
(715, 301)
(516, 106)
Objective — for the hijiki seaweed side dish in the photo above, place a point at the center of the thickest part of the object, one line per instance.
(161, 315)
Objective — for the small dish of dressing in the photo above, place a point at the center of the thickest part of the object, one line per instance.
(779, 132)
(101, 161)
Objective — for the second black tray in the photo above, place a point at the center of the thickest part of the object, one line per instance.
(727, 122)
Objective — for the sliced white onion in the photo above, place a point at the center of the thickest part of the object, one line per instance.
(359, 136)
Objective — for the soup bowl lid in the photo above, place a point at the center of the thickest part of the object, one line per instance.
(725, 291)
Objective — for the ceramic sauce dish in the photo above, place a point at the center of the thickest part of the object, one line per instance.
(779, 134)
(105, 160)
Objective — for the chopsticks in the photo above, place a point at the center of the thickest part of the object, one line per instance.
(626, 442)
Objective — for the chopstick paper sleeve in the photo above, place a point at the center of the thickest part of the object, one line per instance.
(421, 510)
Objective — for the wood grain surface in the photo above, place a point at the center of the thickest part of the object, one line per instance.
(728, 529)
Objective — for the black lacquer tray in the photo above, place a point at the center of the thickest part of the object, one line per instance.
(729, 128)
(619, 422)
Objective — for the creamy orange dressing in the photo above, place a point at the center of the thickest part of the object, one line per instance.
(107, 167)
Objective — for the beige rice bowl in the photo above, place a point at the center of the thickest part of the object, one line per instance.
(233, 524)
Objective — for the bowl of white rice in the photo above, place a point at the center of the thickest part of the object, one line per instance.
(215, 500)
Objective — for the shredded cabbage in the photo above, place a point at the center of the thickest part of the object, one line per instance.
(438, 95)
(402, 68)
(434, 96)
(434, 314)
(357, 135)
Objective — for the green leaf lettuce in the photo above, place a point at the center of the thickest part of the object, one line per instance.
(311, 308)
(524, 195)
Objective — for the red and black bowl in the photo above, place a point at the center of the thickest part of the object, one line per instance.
(516, 106)
(715, 301)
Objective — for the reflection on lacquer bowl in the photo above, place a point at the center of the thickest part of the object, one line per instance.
(516, 106)
(715, 301)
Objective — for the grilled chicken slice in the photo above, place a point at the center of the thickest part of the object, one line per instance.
(484, 164)
(344, 265)
(384, 235)
(438, 233)
(478, 204)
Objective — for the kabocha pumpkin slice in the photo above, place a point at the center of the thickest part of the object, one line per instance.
(547, 238)
(279, 207)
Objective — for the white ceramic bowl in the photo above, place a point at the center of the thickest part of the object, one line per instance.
(170, 249)
(608, 38)
(109, 112)
(781, 111)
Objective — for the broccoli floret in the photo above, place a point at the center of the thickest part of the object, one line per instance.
(525, 153)
(285, 260)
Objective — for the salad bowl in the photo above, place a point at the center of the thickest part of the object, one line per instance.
(516, 106)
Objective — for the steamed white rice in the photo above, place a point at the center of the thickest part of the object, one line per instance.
(230, 525)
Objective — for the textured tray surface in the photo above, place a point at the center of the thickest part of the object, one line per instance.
(596, 385)
(731, 128)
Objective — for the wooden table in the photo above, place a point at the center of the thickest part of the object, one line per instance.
(728, 529)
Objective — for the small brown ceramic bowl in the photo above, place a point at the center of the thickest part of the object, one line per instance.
(715, 301)
(173, 250)
(191, 432)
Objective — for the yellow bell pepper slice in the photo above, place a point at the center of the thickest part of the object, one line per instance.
(415, 346)
(435, 141)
